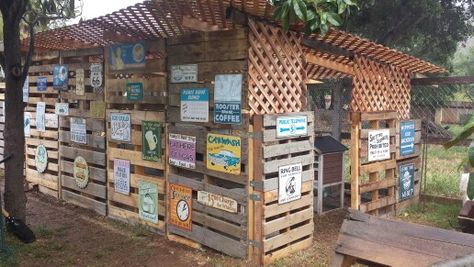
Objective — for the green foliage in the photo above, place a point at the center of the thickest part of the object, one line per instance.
(316, 15)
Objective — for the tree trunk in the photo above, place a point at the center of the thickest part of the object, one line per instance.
(15, 198)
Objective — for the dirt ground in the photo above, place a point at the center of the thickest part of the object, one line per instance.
(72, 236)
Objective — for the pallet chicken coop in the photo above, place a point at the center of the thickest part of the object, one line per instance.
(190, 118)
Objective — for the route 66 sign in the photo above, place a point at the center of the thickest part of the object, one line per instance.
(96, 75)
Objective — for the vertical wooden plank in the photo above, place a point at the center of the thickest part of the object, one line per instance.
(355, 161)
(250, 230)
(374, 176)
(319, 208)
(257, 177)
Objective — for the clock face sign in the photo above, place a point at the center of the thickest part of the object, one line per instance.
(180, 206)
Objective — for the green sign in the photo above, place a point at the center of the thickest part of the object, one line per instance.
(151, 140)
(148, 206)
(135, 91)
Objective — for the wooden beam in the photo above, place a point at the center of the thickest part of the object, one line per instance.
(326, 48)
(329, 64)
(198, 25)
(443, 80)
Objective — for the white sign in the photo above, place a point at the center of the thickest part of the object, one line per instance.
(51, 120)
(227, 98)
(27, 124)
(289, 183)
(26, 88)
(122, 176)
(61, 109)
(40, 116)
(379, 145)
(217, 201)
(184, 73)
(195, 104)
(80, 89)
(78, 130)
(96, 75)
(120, 124)
(292, 126)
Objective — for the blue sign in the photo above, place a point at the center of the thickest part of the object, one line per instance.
(407, 138)
(292, 126)
(195, 104)
(227, 113)
(406, 177)
(127, 56)
(42, 83)
(60, 77)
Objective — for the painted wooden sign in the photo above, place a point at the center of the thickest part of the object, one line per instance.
(289, 126)
(60, 77)
(379, 145)
(27, 124)
(224, 153)
(195, 105)
(127, 56)
(122, 176)
(406, 177)
(41, 158)
(96, 75)
(184, 73)
(148, 201)
(151, 140)
(135, 91)
(81, 172)
(407, 138)
(289, 183)
(180, 206)
(97, 109)
(61, 109)
(217, 201)
(42, 83)
(26, 89)
(40, 117)
(227, 99)
(78, 130)
(182, 150)
(80, 88)
(120, 125)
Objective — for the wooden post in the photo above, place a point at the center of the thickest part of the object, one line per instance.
(258, 253)
(355, 161)
(250, 228)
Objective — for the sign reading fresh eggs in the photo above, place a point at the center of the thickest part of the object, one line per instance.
(292, 126)
(407, 138)
(217, 201)
(224, 153)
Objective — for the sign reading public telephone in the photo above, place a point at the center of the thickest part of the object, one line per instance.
(292, 126)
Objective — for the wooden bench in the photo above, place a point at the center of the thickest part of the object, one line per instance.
(375, 241)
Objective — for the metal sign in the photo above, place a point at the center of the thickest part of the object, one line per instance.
(227, 99)
(60, 77)
(81, 172)
(184, 73)
(120, 125)
(122, 176)
(61, 109)
(406, 175)
(224, 153)
(182, 150)
(180, 206)
(27, 124)
(80, 88)
(26, 89)
(40, 117)
(135, 91)
(195, 105)
(78, 130)
(41, 158)
(289, 183)
(148, 198)
(217, 201)
(41, 83)
(151, 140)
(96, 75)
(290, 126)
(378, 145)
(407, 138)
(127, 56)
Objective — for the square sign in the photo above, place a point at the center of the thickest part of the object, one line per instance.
(135, 91)
(407, 181)
(379, 144)
(227, 98)
(289, 183)
(78, 130)
(120, 125)
(148, 198)
(42, 83)
(182, 150)
(292, 126)
(407, 138)
(195, 105)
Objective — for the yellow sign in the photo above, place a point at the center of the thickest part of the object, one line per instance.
(81, 172)
(223, 153)
(180, 206)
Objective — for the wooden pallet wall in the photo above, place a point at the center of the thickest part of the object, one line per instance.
(47, 182)
(277, 75)
(94, 195)
(282, 229)
(214, 53)
(153, 76)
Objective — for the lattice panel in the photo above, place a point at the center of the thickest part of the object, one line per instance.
(380, 87)
(276, 70)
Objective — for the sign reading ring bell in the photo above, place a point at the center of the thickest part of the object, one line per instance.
(81, 172)
(41, 158)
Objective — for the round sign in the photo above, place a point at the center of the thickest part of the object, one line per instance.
(182, 210)
(41, 158)
(138, 53)
(81, 172)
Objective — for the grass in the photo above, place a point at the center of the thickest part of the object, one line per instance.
(442, 215)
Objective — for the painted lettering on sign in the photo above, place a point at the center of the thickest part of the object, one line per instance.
(61, 109)
(292, 126)
(289, 183)
(407, 138)
(407, 181)
(227, 98)
(60, 77)
(217, 201)
(378, 145)
(195, 105)
(224, 153)
(148, 196)
(122, 176)
(182, 150)
(184, 73)
(120, 125)
(40, 116)
(180, 206)
(78, 130)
